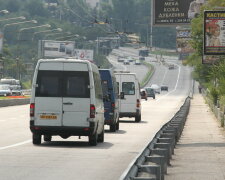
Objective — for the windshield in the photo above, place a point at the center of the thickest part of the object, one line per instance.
(128, 88)
(63, 84)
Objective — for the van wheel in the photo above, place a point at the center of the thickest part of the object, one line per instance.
(36, 139)
(101, 136)
(138, 118)
(93, 139)
(47, 138)
(118, 125)
(113, 127)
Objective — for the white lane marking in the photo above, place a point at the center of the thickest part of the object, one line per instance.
(15, 145)
(164, 76)
(175, 88)
(2, 120)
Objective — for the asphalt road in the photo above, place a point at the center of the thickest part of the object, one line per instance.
(73, 158)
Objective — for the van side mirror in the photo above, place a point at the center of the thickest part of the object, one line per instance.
(122, 95)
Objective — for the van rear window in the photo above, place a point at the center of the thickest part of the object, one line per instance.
(62, 84)
(128, 88)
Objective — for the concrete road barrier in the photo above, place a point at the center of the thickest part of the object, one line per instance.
(152, 163)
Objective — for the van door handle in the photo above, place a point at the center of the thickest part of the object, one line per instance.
(68, 103)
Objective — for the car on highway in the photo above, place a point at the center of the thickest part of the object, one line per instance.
(137, 62)
(141, 58)
(150, 92)
(164, 88)
(171, 66)
(16, 90)
(156, 88)
(144, 94)
(121, 59)
(126, 62)
(5, 90)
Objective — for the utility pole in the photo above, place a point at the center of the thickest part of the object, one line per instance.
(151, 25)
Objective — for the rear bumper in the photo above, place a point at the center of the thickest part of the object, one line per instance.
(130, 114)
(63, 130)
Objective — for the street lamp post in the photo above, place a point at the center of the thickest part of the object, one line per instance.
(11, 24)
(34, 27)
(53, 34)
(4, 11)
(20, 17)
(22, 29)
(63, 37)
(52, 30)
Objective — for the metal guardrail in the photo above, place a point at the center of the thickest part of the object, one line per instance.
(152, 163)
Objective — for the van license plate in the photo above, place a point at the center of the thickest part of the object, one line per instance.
(48, 117)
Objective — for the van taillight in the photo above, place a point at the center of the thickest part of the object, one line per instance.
(138, 103)
(113, 106)
(92, 111)
(32, 108)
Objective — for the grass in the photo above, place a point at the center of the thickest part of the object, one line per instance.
(12, 97)
(148, 75)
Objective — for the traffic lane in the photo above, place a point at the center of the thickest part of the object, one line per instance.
(14, 125)
(68, 158)
(140, 70)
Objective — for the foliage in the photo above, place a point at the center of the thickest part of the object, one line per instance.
(211, 76)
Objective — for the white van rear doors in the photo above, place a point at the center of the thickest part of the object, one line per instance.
(127, 85)
(48, 99)
(76, 95)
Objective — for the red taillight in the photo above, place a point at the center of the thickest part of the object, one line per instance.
(113, 106)
(92, 111)
(138, 103)
(32, 108)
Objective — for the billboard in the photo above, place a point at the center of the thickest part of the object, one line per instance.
(56, 49)
(183, 43)
(210, 59)
(84, 54)
(171, 12)
(214, 32)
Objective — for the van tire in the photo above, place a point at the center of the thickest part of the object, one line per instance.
(138, 118)
(113, 128)
(93, 139)
(47, 138)
(101, 136)
(36, 139)
(118, 125)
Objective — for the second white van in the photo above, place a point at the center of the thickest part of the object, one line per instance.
(66, 100)
(130, 100)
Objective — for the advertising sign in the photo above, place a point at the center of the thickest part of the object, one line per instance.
(214, 32)
(58, 48)
(84, 54)
(183, 43)
(210, 59)
(171, 12)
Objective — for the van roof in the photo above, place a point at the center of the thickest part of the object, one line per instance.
(64, 60)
